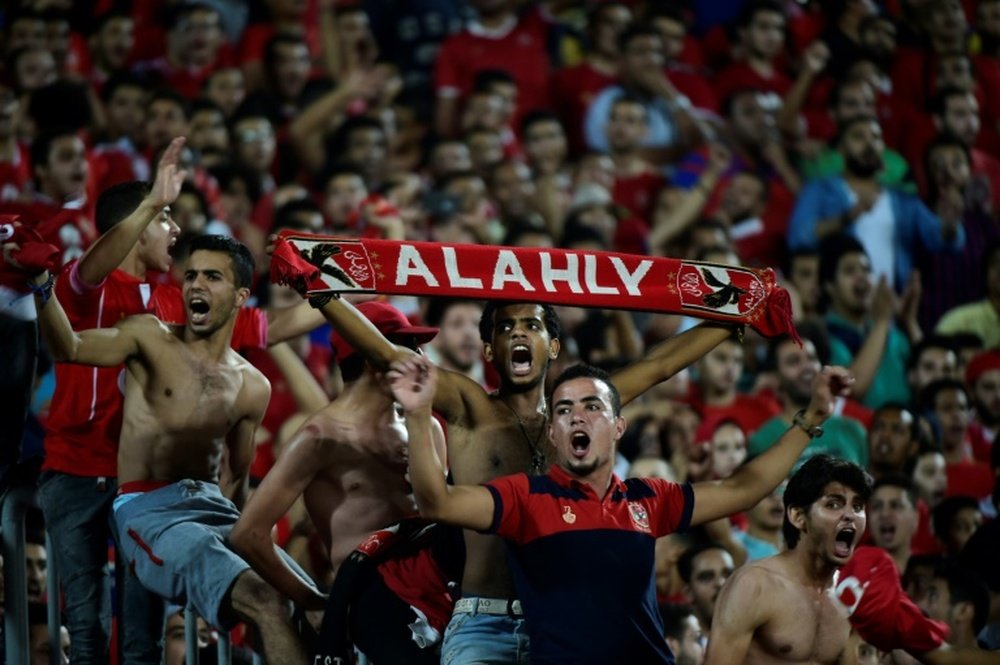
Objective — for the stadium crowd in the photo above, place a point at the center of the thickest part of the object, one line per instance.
(852, 146)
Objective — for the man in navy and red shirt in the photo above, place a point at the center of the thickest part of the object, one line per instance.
(581, 540)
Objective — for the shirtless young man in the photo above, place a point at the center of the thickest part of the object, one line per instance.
(192, 405)
(793, 607)
(781, 609)
(497, 434)
(348, 462)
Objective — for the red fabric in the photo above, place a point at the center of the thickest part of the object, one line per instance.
(34, 255)
(638, 192)
(973, 479)
(749, 411)
(418, 581)
(522, 53)
(72, 230)
(562, 277)
(573, 89)
(868, 587)
(923, 541)
(740, 75)
(693, 85)
(85, 417)
(982, 443)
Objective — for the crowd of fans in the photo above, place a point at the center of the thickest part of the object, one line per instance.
(853, 146)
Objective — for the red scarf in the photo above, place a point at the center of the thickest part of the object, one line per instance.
(322, 264)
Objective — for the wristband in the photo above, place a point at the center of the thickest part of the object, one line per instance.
(43, 291)
(814, 431)
(320, 300)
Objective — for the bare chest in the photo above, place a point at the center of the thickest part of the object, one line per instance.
(804, 629)
(500, 448)
(188, 394)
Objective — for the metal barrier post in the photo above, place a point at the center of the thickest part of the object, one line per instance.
(225, 649)
(54, 615)
(15, 505)
(190, 636)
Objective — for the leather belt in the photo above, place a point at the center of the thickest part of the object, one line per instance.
(494, 606)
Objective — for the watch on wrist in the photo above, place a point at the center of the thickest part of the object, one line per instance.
(814, 431)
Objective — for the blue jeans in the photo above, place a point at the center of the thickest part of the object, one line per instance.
(484, 639)
(76, 515)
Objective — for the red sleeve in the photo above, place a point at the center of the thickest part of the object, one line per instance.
(507, 502)
(447, 74)
(869, 590)
(77, 298)
(250, 331)
(255, 37)
(167, 304)
(670, 509)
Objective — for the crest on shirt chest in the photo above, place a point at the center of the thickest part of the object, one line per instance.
(640, 518)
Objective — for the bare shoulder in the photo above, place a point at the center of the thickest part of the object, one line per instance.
(759, 584)
(256, 389)
(146, 326)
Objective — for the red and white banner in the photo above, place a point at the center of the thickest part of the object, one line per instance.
(323, 264)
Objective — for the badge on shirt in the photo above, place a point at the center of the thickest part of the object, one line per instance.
(639, 515)
(568, 515)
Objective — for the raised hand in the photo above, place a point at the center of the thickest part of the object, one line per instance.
(169, 177)
(830, 383)
(413, 381)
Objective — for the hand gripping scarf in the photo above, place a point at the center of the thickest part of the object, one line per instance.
(315, 264)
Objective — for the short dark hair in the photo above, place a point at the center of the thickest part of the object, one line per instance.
(899, 481)
(284, 216)
(944, 513)
(831, 250)
(62, 103)
(845, 125)
(965, 586)
(899, 406)
(685, 564)
(242, 259)
(810, 331)
(125, 79)
(118, 202)
(942, 140)
(532, 118)
(928, 342)
(939, 102)
(751, 9)
(806, 486)
(42, 145)
(172, 96)
(583, 371)
(549, 318)
(338, 169)
(928, 396)
(337, 143)
(485, 79)
(674, 616)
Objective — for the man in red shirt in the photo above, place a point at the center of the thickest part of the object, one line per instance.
(497, 39)
(761, 40)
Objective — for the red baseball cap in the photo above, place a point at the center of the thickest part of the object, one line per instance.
(389, 321)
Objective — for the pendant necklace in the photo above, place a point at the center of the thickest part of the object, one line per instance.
(537, 456)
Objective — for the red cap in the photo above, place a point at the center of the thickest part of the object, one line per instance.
(389, 321)
(984, 362)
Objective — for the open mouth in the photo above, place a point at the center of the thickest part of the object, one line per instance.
(887, 532)
(844, 542)
(520, 360)
(580, 444)
(199, 310)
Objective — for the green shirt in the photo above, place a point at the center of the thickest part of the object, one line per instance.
(895, 172)
(889, 383)
(843, 438)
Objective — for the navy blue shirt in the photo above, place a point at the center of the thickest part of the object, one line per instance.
(583, 564)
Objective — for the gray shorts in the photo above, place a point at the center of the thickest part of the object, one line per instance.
(175, 539)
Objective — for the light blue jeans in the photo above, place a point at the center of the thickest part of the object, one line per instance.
(485, 639)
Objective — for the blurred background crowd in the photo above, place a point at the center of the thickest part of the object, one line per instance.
(853, 146)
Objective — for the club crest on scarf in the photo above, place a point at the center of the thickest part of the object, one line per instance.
(720, 289)
(343, 265)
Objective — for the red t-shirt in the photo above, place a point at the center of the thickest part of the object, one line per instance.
(71, 229)
(740, 75)
(573, 89)
(868, 588)
(521, 50)
(638, 192)
(749, 411)
(972, 478)
(15, 175)
(85, 416)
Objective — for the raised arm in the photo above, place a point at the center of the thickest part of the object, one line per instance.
(753, 481)
(366, 338)
(413, 381)
(298, 464)
(108, 252)
(669, 357)
(102, 347)
(739, 612)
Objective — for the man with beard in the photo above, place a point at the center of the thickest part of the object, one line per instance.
(796, 366)
(704, 568)
(982, 377)
(191, 408)
(893, 517)
(496, 434)
(891, 225)
(457, 346)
